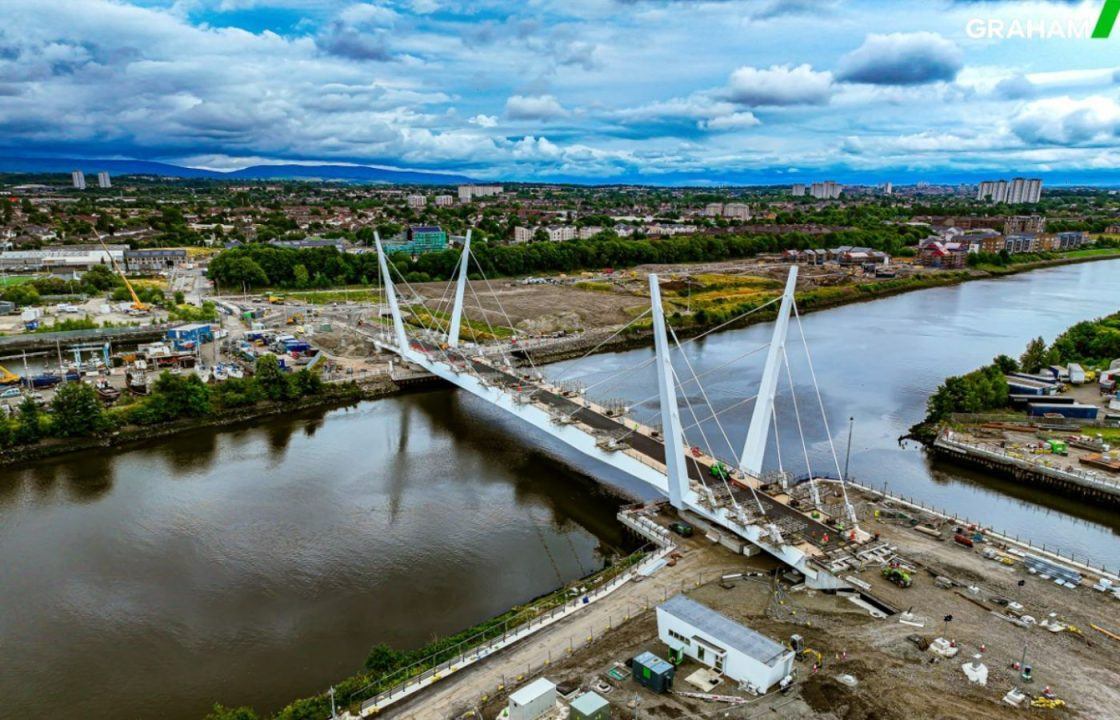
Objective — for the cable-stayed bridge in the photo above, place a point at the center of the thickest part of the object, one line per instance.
(784, 518)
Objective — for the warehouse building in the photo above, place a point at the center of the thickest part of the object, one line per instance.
(715, 640)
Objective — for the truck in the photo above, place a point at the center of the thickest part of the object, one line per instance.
(1076, 374)
(898, 576)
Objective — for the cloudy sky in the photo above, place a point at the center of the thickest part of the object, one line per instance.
(595, 90)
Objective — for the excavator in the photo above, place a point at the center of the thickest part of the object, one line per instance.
(7, 377)
(136, 303)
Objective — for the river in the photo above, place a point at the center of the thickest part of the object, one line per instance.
(255, 565)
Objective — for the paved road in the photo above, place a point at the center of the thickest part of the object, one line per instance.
(527, 659)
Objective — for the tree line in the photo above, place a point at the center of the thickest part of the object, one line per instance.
(77, 410)
(259, 265)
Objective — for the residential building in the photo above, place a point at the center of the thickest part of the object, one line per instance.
(743, 655)
(1016, 192)
(737, 211)
(103, 180)
(1024, 224)
(417, 202)
(78, 178)
(470, 192)
(1021, 243)
(589, 231)
(560, 233)
(154, 259)
(827, 190)
(1072, 239)
(444, 200)
(522, 234)
(797, 190)
(888, 188)
(945, 255)
(713, 209)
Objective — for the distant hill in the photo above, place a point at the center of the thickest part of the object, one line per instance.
(347, 173)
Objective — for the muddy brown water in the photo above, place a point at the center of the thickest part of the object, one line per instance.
(256, 565)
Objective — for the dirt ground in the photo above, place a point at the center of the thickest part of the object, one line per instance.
(895, 679)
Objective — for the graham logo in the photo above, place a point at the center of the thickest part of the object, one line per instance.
(1107, 19)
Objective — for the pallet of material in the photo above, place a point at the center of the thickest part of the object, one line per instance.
(1111, 464)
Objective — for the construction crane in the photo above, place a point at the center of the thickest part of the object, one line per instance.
(136, 304)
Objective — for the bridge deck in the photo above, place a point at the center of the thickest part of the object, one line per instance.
(800, 529)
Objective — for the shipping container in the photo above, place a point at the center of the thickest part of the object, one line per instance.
(1073, 410)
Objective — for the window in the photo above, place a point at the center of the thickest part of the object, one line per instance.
(679, 638)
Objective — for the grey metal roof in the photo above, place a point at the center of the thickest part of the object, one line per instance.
(724, 629)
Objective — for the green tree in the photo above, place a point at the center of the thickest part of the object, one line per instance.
(180, 298)
(30, 427)
(1034, 356)
(76, 411)
(181, 395)
(271, 378)
(221, 712)
(305, 383)
(383, 659)
(1006, 364)
(99, 278)
(300, 276)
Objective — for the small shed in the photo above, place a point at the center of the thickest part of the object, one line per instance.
(728, 647)
(653, 672)
(590, 706)
(532, 701)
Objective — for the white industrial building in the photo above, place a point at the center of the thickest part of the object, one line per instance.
(715, 640)
(535, 700)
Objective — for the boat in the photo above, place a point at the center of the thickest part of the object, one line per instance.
(235, 372)
(136, 379)
(105, 391)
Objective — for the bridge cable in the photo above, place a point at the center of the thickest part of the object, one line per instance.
(800, 429)
(824, 416)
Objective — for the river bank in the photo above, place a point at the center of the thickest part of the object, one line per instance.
(810, 301)
(335, 396)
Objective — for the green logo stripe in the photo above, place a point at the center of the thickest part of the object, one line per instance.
(1107, 19)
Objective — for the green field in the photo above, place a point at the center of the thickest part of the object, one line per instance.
(9, 280)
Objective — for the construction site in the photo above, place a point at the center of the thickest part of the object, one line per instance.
(940, 629)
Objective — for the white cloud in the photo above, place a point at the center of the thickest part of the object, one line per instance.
(902, 59)
(779, 85)
(534, 107)
(1067, 121)
(486, 121)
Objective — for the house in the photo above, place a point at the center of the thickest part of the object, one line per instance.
(937, 254)
(713, 639)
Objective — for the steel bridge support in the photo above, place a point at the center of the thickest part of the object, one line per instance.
(755, 446)
(391, 296)
(672, 434)
(460, 288)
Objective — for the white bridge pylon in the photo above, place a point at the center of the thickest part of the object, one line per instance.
(661, 462)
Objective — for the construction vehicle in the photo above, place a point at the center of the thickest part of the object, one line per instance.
(275, 299)
(136, 303)
(295, 319)
(7, 377)
(802, 652)
(681, 528)
(898, 576)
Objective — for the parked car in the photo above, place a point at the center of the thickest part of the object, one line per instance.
(12, 392)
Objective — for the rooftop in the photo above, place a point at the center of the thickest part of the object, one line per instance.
(532, 691)
(730, 633)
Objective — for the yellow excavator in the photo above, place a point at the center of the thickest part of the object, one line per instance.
(136, 304)
(7, 377)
